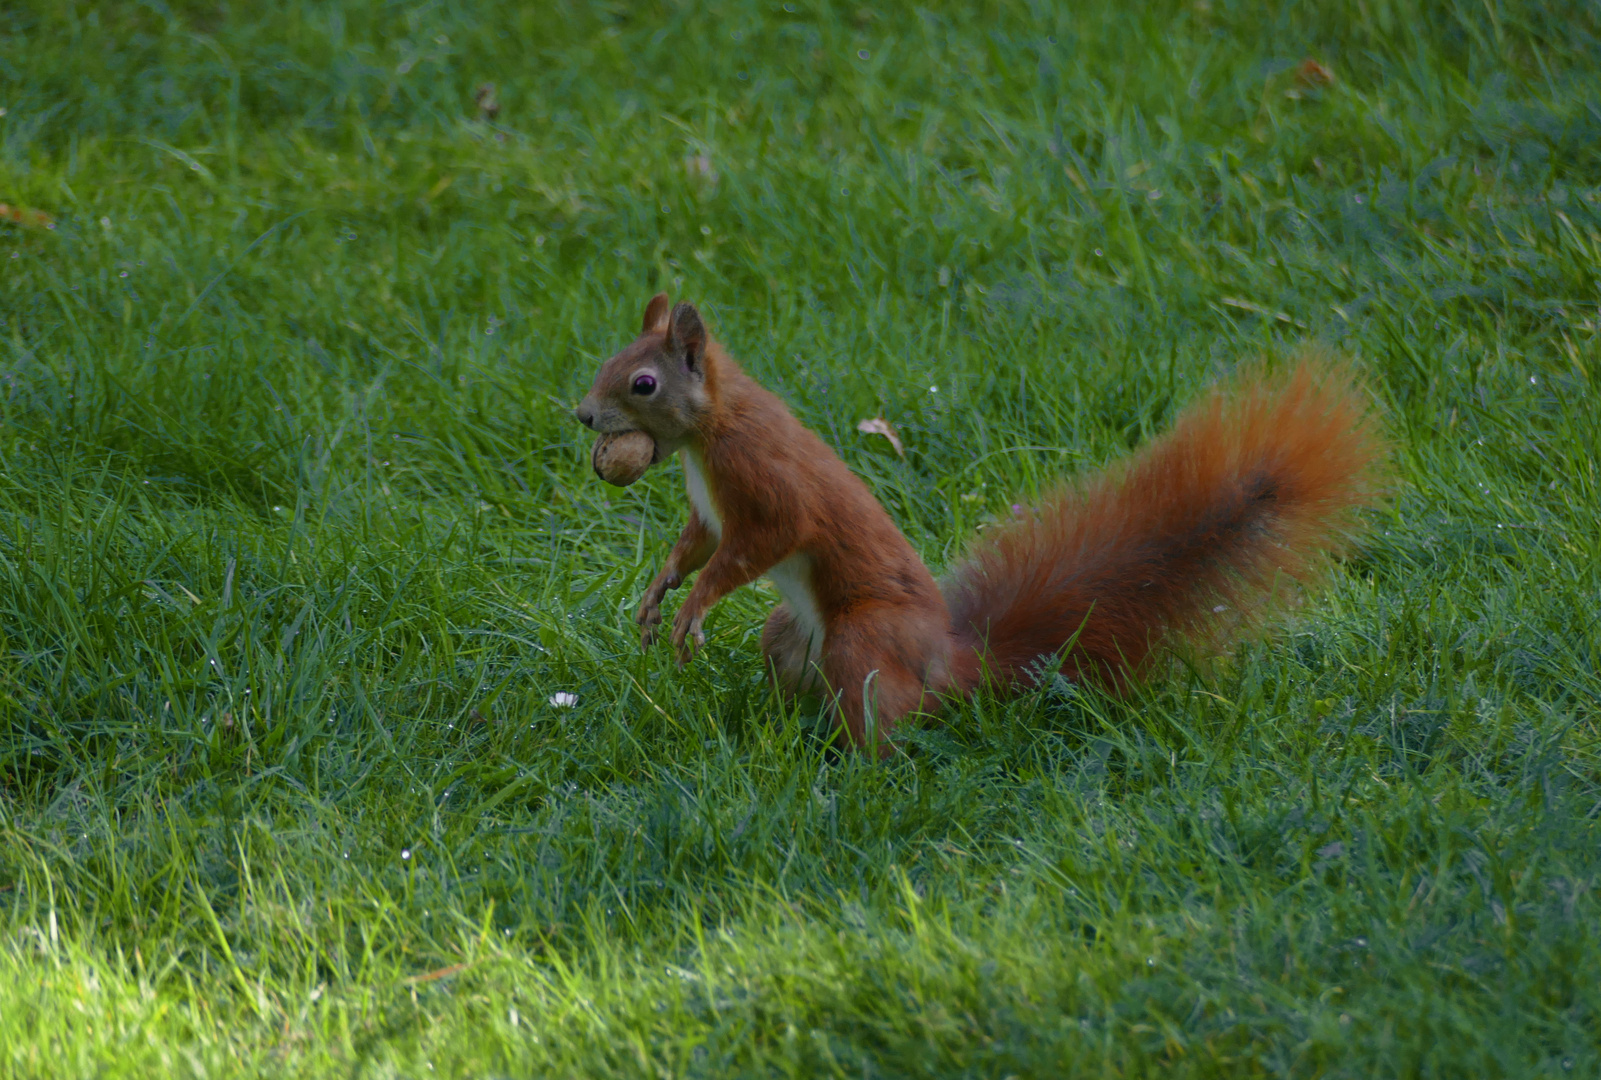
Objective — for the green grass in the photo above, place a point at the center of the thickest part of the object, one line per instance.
(298, 539)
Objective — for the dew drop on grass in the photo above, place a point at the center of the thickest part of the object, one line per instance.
(405, 853)
(863, 54)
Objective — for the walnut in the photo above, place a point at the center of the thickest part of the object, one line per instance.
(622, 457)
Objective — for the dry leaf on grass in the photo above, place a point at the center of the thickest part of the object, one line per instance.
(436, 975)
(488, 106)
(21, 215)
(879, 426)
(1313, 74)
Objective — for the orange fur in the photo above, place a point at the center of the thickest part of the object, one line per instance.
(1248, 486)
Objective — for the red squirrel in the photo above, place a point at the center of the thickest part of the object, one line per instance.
(1173, 544)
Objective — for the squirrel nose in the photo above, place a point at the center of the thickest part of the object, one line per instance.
(585, 414)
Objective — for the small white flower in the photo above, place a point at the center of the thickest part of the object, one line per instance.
(561, 699)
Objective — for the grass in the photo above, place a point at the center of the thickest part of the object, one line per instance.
(298, 540)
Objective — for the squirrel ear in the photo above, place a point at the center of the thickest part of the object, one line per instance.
(686, 332)
(656, 314)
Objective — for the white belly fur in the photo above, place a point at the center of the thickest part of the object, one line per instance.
(699, 494)
(792, 577)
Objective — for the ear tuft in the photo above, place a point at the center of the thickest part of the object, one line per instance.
(656, 314)
(686, 333)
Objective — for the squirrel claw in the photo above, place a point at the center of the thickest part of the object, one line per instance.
(688, 639)
(648, 617)
(648, 614)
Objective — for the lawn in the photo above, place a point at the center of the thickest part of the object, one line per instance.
(299, 541)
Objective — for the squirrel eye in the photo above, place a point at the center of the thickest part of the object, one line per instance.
(645, 385)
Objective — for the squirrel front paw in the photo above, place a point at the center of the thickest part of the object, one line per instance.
(688, 638)
(648, 617)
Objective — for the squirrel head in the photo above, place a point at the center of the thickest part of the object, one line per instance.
(658, 383)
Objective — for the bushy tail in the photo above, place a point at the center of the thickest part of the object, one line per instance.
(1196, 530)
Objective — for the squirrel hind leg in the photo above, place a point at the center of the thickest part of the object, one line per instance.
(873, 689)
(791, 655)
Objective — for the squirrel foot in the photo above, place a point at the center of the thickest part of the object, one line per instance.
(648, 617)
(688, 638)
